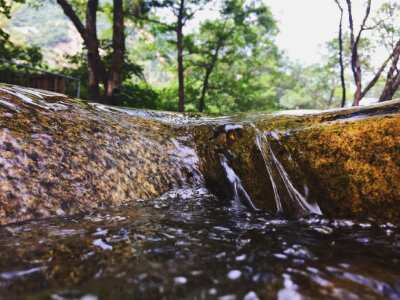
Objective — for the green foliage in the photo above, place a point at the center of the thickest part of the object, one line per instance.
(245, 69)
(79, 70)
(316, 86)
(137, 96)
(241, 68)
(29, 55)
(248, 71)
(25, 54)
(366, 50)
(388, 23)
(129, 68)
(7, 8)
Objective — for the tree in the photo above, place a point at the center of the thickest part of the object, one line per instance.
(181, 12)
(340, 39)
(97, 70)
(392, 80)
(355, 57)
(16, 51)
(388, 14)
(311, 87)
(240, 25)
(217, 35)
(6, 10)
(242, 33)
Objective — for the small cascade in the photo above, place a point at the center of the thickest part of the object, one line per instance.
(239, 193)
(61, 156)
(280, 180)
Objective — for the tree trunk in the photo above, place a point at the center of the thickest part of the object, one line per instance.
(203, 91)
(355, 64)
(331, 96)
(341, 58)
(94, 90)
(179, 36)
(209, 69)
(396, 85)
(355, 58)
(116, 71)
(96, 67)
(97, 70)
(392, 81)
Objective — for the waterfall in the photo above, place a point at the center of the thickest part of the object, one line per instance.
(280, 180)
(239, 193)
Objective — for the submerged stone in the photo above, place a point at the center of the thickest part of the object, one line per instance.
(61, 156)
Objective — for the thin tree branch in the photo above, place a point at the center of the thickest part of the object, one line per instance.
(343, 102)
(155, 22)
(68, 10)
(376, 77)
(350, 23)
(388, 90)
(376, 24)
(192, 14)
(368, 10)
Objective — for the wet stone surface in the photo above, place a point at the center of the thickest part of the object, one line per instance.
(86, 181)
(187, 244)
(60, 156)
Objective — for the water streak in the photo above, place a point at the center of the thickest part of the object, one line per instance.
(239, 193)
(277, 174)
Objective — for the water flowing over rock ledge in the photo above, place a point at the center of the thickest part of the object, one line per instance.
(344, 163)
(61, 156)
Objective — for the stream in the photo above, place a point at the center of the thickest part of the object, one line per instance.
(102, 202)
(186, 244)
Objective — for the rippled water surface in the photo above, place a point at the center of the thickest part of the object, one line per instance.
(187, 244)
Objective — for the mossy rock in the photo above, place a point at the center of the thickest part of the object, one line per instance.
(347, 161)
(61, 156)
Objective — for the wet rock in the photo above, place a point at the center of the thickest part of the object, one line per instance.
(60, 156)
(345, 161)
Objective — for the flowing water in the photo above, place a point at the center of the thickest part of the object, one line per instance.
(279, 177)
(187, 244)
(240, 195)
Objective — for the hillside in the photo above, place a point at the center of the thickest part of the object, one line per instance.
(46, 27)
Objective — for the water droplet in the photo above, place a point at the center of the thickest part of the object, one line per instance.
(240, 257)
(102, 245)
(251, 296)
(212, 291)
(180, 280)
(234, 274)
(100, 232)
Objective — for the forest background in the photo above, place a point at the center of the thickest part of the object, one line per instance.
(204, 55)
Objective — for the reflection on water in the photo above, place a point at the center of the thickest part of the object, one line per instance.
(187, 244)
